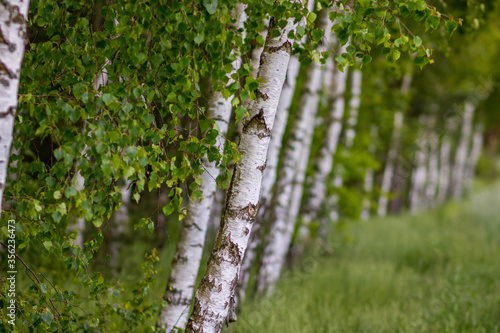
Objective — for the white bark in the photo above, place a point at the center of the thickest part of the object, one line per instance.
(178, 295)
(419, 174)
(432, 172)
(459, 166)
(270, 174)
(368, 185)
(475, 151)
(13, 16)
(392, 154)
(120, 218)
(215, 294)
(354, 104)
(317, 191)
(444, 168)
(291, 178)
(80, 222)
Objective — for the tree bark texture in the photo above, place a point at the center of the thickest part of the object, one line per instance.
(216, 291)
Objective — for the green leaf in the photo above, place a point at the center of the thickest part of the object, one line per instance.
(47, 317)
(69, 192)
(211, 6)
(418, 41)
(168, 209)
(317, 35)
(47, 244)
(241, 112)
(432, 22)
(198, 39)
(451, 26)
(108, 99)
(43, 287)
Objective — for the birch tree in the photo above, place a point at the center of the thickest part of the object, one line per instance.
(270, 174)
(317, 191)
(369, 177)
(444, 162)
(13, 17)
(215, 295)
(392, 154)
(350, 135)
(462, 151)
(175, 310)
(419, 174)
(474, 153)
(432, 171)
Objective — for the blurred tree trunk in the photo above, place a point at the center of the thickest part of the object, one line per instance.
(214, 297)
(444, 162)
(317, 191)
(270, 174)
(462, 151)
(392, 154)
(475, 152)
(179, 292)
(286, 202)
(350, 135)
(368, 184)
(419, 174)
(13, 17)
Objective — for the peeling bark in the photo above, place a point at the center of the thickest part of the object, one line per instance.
(13, 17)
(213, 296)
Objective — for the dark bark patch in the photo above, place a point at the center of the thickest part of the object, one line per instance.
(286, 46)
(257, 123)
(260, 94)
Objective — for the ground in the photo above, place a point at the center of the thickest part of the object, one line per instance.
(431, 272)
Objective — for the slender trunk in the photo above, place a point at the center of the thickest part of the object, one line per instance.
(350, 135)
(178, 295)
(317, 191)
(459, 166)
(289, 189)
(119, 224)
(368, 185)
(432, 172)
(270, 174)
(392, 154)
(475, 151)
(444, 168)
(13, 17)
(281, 228)
(215, 295)
(419, 173)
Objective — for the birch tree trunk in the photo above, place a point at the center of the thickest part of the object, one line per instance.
(178, 295)
(120, 218)
(270, 174)
(475, 151)
(368, 185)
(354, 104)
(286, 204)
(392, 154)
(444, 162)
(419, 174)
(215, 295)
(459, 165)
(432, 172)
(13, 17)
(317, 191)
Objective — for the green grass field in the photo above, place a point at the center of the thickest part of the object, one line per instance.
(433, 272)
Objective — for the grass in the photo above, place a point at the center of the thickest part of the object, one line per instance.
(433, 272)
